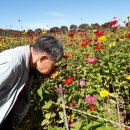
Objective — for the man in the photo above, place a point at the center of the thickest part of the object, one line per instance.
(16, 74)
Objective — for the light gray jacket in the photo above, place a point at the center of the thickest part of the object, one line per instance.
(14, 75)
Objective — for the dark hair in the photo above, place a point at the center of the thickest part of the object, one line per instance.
(50, 45)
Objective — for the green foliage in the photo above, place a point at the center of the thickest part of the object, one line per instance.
(109, 72)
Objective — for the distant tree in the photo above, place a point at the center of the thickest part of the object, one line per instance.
(30, 31)
(84, 27)
(54, 30)
(64, 29)
(1, 32)
(38, 31)
(73, 28)
(106, 25)
(95, 26)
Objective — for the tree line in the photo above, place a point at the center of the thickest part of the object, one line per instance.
(62, 29)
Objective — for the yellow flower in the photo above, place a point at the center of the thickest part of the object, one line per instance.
(102, 39)
(43, 32)
(128, 77)
(94, 30)
(116, 36)
(1, 44)
(104, 93)
(71, 118)
(53, 75)
(112, 44)
(122, 40)
(25, 31)
(84, 52)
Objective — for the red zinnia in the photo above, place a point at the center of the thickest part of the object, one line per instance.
(113, 22)
(87, 39)
(71, 35)
(99, 33)
(128, 36)
(82, 34)
(15, 34)
(95, 39)
(84, 44)
(92, 108)
(99, 47)
(69, 80)
(127, 128)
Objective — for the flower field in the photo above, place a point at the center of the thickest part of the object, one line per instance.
(95, 78)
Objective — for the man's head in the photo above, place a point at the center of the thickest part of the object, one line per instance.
(45, 53)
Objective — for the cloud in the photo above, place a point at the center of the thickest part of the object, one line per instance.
(57, 14)
(35, 25)
(46, 24)
(60, 21)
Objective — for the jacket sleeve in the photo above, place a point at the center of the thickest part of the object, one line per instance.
(7, 71)
(21, 108)
(7, 77)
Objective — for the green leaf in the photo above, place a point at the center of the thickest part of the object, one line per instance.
(61, 121)
(106, 128)
(129, 107)
(45, 121)
(53, 114)
(78, 125)
(59, 100)
(91, 91)
(112, 101)
(113, 95)
(92, 125)
(47, 105)
(48, 116)
(70, 97)
(79, 101)
(51, 128)
(39, 92)
(61, 115)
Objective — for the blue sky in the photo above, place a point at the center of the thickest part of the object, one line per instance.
(49, 13)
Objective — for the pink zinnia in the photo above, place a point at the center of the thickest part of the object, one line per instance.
(58, 90)
(90, 99)
(82, 83)
(73, 104)
(92, 60)
(72, 124)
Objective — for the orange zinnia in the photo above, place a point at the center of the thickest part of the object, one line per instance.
(68, 55)
(99, 47)
(84, 44)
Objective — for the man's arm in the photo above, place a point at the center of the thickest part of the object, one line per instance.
(6, 73)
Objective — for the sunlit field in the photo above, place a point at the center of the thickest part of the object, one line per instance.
(94, 74)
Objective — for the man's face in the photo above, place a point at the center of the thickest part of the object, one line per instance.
(45, 64)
